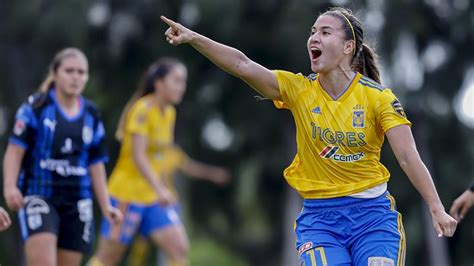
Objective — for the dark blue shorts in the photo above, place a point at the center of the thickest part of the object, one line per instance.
(139, 218)
(71, 221)
(350, 231)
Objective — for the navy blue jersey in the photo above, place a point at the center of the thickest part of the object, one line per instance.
(58, 148)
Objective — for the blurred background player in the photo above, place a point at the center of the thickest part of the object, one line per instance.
(141, 184)
(463, 203)
(5, 221)
(55, 156)
(342, 115)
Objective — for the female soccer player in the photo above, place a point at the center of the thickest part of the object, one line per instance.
(55, 155)
(463, 203)
(5, 221)
(342, 114)
(141, 183)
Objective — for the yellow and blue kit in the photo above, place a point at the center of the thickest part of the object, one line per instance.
(130, 191)
(338, 155)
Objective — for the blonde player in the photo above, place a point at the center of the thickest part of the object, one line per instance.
(342, 115)
(141, 182)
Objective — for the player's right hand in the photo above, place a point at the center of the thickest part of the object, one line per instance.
(5, 221)
(13, 198)
(165, 197)
(462, 205)
(176, 34)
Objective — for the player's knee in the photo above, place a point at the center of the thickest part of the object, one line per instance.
(179, 250)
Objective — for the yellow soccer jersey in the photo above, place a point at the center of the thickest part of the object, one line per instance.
(146, 119)
(338, 140)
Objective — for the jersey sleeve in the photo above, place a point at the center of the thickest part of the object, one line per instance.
(25, 126)
(98, 150)
(137, 120)
(290, 85)
(390, 112)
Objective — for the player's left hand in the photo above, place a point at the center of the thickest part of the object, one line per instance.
(113, 215)
(5, 221)
(444, 224)
(219, 175)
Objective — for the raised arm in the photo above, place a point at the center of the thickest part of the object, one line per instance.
(227, 58)
(403, 145)
(200, 170)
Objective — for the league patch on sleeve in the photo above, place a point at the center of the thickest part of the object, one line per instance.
(19, 127)
(398, 108)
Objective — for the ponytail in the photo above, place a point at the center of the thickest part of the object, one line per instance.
(366, 63)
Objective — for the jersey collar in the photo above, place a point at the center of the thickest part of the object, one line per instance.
(344, 93)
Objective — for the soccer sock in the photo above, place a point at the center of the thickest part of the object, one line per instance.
(177, 262)
(139, 252)
(94, 262)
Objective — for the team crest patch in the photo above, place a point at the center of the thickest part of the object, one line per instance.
(397, 106)
(358, 119)
(19, 127)
(87, 135)
(306, 246)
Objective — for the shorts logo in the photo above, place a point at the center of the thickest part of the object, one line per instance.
(397, 106)
(34, 208)
(380, 261)
(19, 127)
(330, 153)
(84, 206)
(306, 246)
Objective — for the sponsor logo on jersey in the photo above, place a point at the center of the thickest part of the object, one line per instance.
(330, 152)
(62, 167)
(397, 106)
(19, 127)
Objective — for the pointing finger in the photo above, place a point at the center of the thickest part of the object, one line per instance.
(168, 21)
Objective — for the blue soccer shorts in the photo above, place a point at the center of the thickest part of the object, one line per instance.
(139, 218)
(350, 231)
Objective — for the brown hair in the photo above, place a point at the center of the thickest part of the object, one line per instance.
(48, 82)
(364, 59)
(156, 71)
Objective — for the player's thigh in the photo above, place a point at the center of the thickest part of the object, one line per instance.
(382, 244)
(172, 239)
(39, 223)
(69, 257)
(76, 226)
(40, 249)
(163, 225)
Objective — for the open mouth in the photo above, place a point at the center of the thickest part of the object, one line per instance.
(315, 53)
